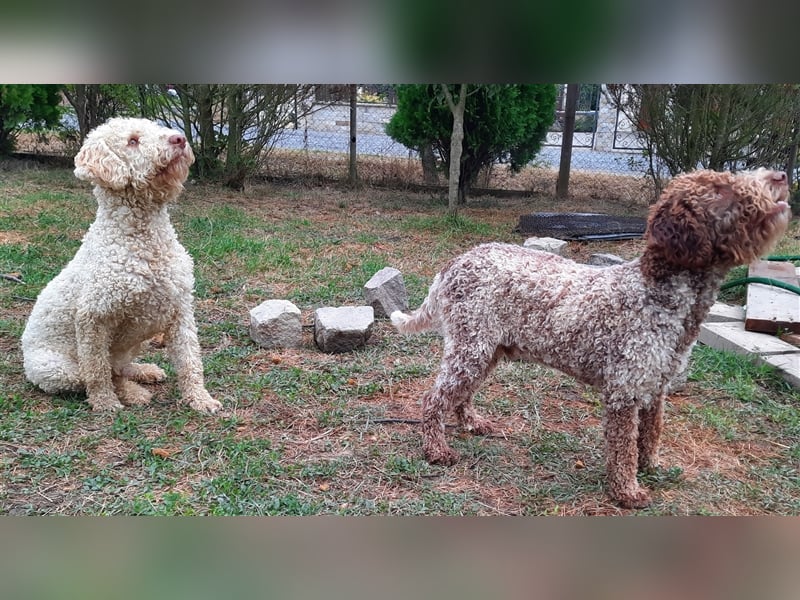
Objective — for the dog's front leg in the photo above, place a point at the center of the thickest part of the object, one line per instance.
(651, 422)
(621, 433)
(93, 344)
(184, 352)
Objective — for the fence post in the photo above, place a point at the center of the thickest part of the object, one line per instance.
(571, 104)
(353, 177)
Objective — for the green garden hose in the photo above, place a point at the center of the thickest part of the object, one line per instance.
(783, 258)
(766, 280)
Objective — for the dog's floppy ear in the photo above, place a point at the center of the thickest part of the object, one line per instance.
(98, 164)
(680, 235)
(722, 207)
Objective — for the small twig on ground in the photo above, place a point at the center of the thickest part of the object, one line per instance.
(391, 420)
(319, 437)
(11, 277)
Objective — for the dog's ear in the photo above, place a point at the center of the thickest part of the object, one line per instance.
(723, 207)
(680, 235)
(98, 164)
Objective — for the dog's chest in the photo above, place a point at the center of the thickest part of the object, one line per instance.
(149, 275)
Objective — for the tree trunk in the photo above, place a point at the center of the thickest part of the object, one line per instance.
(84, 99)
(456, 194)
(570, 107)
(206, 156)
(428, 159)
(791, 161)
(235, 170)
(353, 173)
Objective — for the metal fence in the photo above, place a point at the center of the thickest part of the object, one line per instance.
(607, 162)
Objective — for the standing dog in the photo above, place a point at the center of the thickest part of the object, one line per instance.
(129, 280)
(627, 330)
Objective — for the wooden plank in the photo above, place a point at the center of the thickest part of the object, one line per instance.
(771, 309)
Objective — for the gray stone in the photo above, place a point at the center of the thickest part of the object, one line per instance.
(343, 328)
(604, 260)
(546, 244)
(386, 292)
(276, 324)
(724, 313)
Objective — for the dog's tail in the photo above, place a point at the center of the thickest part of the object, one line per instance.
(425, 318)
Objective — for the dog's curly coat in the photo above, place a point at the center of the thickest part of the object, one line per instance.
(627, 330)
(129, 280)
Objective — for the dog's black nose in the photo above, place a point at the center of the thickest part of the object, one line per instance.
(178, 140)
(779, 176)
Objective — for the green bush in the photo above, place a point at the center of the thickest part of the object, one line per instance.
(506, 123)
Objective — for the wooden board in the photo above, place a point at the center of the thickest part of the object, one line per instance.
(771, 309)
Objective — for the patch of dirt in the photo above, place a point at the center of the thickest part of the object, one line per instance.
(13, 237)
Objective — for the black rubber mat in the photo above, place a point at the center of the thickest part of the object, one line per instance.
(581, 226)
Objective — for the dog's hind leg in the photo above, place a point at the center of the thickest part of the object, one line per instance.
(52, 371)
(460, 375)
(468, 419)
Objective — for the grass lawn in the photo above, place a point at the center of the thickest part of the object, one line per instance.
(303, 432)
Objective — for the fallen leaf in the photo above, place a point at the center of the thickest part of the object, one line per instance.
(162, 452)
(579, 464)
(276, 360)
(324, 487)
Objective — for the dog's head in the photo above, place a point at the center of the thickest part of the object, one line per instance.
(706, 218)
(136, 154)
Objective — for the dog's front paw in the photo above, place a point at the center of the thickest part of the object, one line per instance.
(441, 455)
(637, 497)
(144, 373)
(132, 394)
(104, 402)
(204, 403)
(480, 426)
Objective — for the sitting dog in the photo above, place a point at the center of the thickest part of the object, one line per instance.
(129, 280)
(627, 329)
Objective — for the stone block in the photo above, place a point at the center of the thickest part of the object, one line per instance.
(788, 365)
(734, 337)
(724, 313)
(386, 292)
(546, 244)
(276, 324)
(605, 260)
(344, 328)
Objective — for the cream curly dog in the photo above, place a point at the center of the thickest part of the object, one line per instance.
(627, 330)
(129, 280)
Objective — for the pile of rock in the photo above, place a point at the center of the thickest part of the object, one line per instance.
(277, 323)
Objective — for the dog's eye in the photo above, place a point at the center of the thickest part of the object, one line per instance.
(134, 141)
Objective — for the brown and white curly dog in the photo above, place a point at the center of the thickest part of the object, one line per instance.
(627, 330)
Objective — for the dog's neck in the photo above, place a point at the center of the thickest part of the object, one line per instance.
(672, 287)
(139, 200)
(118, 211)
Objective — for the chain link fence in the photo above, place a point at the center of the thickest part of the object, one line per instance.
(607, 160)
